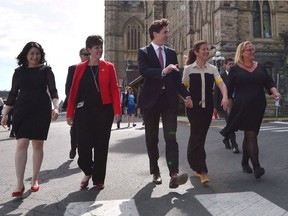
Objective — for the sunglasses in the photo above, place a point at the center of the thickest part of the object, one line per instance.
(85, 54)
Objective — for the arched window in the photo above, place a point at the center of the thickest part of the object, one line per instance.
(266, 20)
(261, 19)
(133, 36)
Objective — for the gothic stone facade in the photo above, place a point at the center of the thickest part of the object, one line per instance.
(223, 24)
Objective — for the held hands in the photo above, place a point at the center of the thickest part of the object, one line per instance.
(225, 104)
(4, 120)
(188, 102)
(55, 113)
(277, 96)
(170, 68)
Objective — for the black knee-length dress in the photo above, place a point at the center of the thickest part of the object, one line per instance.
(30, 99)
(249, 98)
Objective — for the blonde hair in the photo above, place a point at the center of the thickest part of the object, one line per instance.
(239, 51)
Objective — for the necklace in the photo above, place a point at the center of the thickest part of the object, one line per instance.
(249, 66)
(94, 74)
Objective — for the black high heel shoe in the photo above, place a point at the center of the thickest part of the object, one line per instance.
(246, 168)
(258, 172)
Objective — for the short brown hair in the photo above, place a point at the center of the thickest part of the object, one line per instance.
(157, 26)
(93, 40)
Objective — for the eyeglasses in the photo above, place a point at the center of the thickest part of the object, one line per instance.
(85, 54)
(249, 50)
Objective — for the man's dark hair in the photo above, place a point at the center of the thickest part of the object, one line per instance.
(228, 60)
(157, 26)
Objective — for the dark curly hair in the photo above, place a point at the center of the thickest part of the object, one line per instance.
(22, 57)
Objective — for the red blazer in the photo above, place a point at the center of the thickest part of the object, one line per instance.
(108, 85)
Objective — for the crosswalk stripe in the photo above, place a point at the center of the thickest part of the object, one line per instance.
(240, 204)
(221, 204)
(103, 208)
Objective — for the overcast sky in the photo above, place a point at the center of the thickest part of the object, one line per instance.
(60, 26)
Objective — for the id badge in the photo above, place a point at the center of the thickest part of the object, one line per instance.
(80, 104)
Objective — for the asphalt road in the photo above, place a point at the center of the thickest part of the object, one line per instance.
(128, 187)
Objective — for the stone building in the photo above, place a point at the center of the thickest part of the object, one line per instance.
(223, 24)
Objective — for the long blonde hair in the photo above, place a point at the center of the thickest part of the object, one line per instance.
(239, 51)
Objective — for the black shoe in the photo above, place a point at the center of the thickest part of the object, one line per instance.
(246, 168)
(72, 153)
(236, 150)
(134, 125)
(226, 143)
(258, 172)
(177, 180)
(12, 135)
(157, 178)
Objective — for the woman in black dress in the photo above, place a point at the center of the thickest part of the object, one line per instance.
(247, 80)
(31, 110)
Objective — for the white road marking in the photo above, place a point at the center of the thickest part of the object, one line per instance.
(240, 204)
(103, 208)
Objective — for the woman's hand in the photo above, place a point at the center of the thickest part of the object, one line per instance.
(188, 102)
(117, 117)
(4, 120)
(225, 103)
(55, 113)
(69, 121)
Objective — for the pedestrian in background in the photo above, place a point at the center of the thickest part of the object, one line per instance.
(130, 104)
(32, 110)
(158, 66)
(1, 107)
(122, 99)
(199, 76)
(93, 101)
(218, 109)
(247, 79)
(84, 56)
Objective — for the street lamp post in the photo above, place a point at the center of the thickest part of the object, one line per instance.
(218, 60)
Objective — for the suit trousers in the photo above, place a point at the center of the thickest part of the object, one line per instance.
(151, 117)
(73, 137)
(93, 133)
(200, 120)
(232, 135)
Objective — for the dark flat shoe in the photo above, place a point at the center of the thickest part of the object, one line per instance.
(177, 180)
(157, 178)
(258, 172)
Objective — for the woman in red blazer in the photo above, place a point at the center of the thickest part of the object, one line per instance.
(94, 99)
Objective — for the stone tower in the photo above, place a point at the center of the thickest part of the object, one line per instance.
(124, 34)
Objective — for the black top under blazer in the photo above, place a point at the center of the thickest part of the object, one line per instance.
(151, 71)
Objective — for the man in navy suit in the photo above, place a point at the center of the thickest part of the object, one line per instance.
(222, 113)
(158, 66)
(84, 56)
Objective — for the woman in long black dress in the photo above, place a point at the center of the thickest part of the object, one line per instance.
(247, 80)
(31, 110)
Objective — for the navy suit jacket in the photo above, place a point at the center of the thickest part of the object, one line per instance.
(151, 71)
(69, 79)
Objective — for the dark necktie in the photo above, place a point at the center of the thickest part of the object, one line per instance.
(160, 57)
